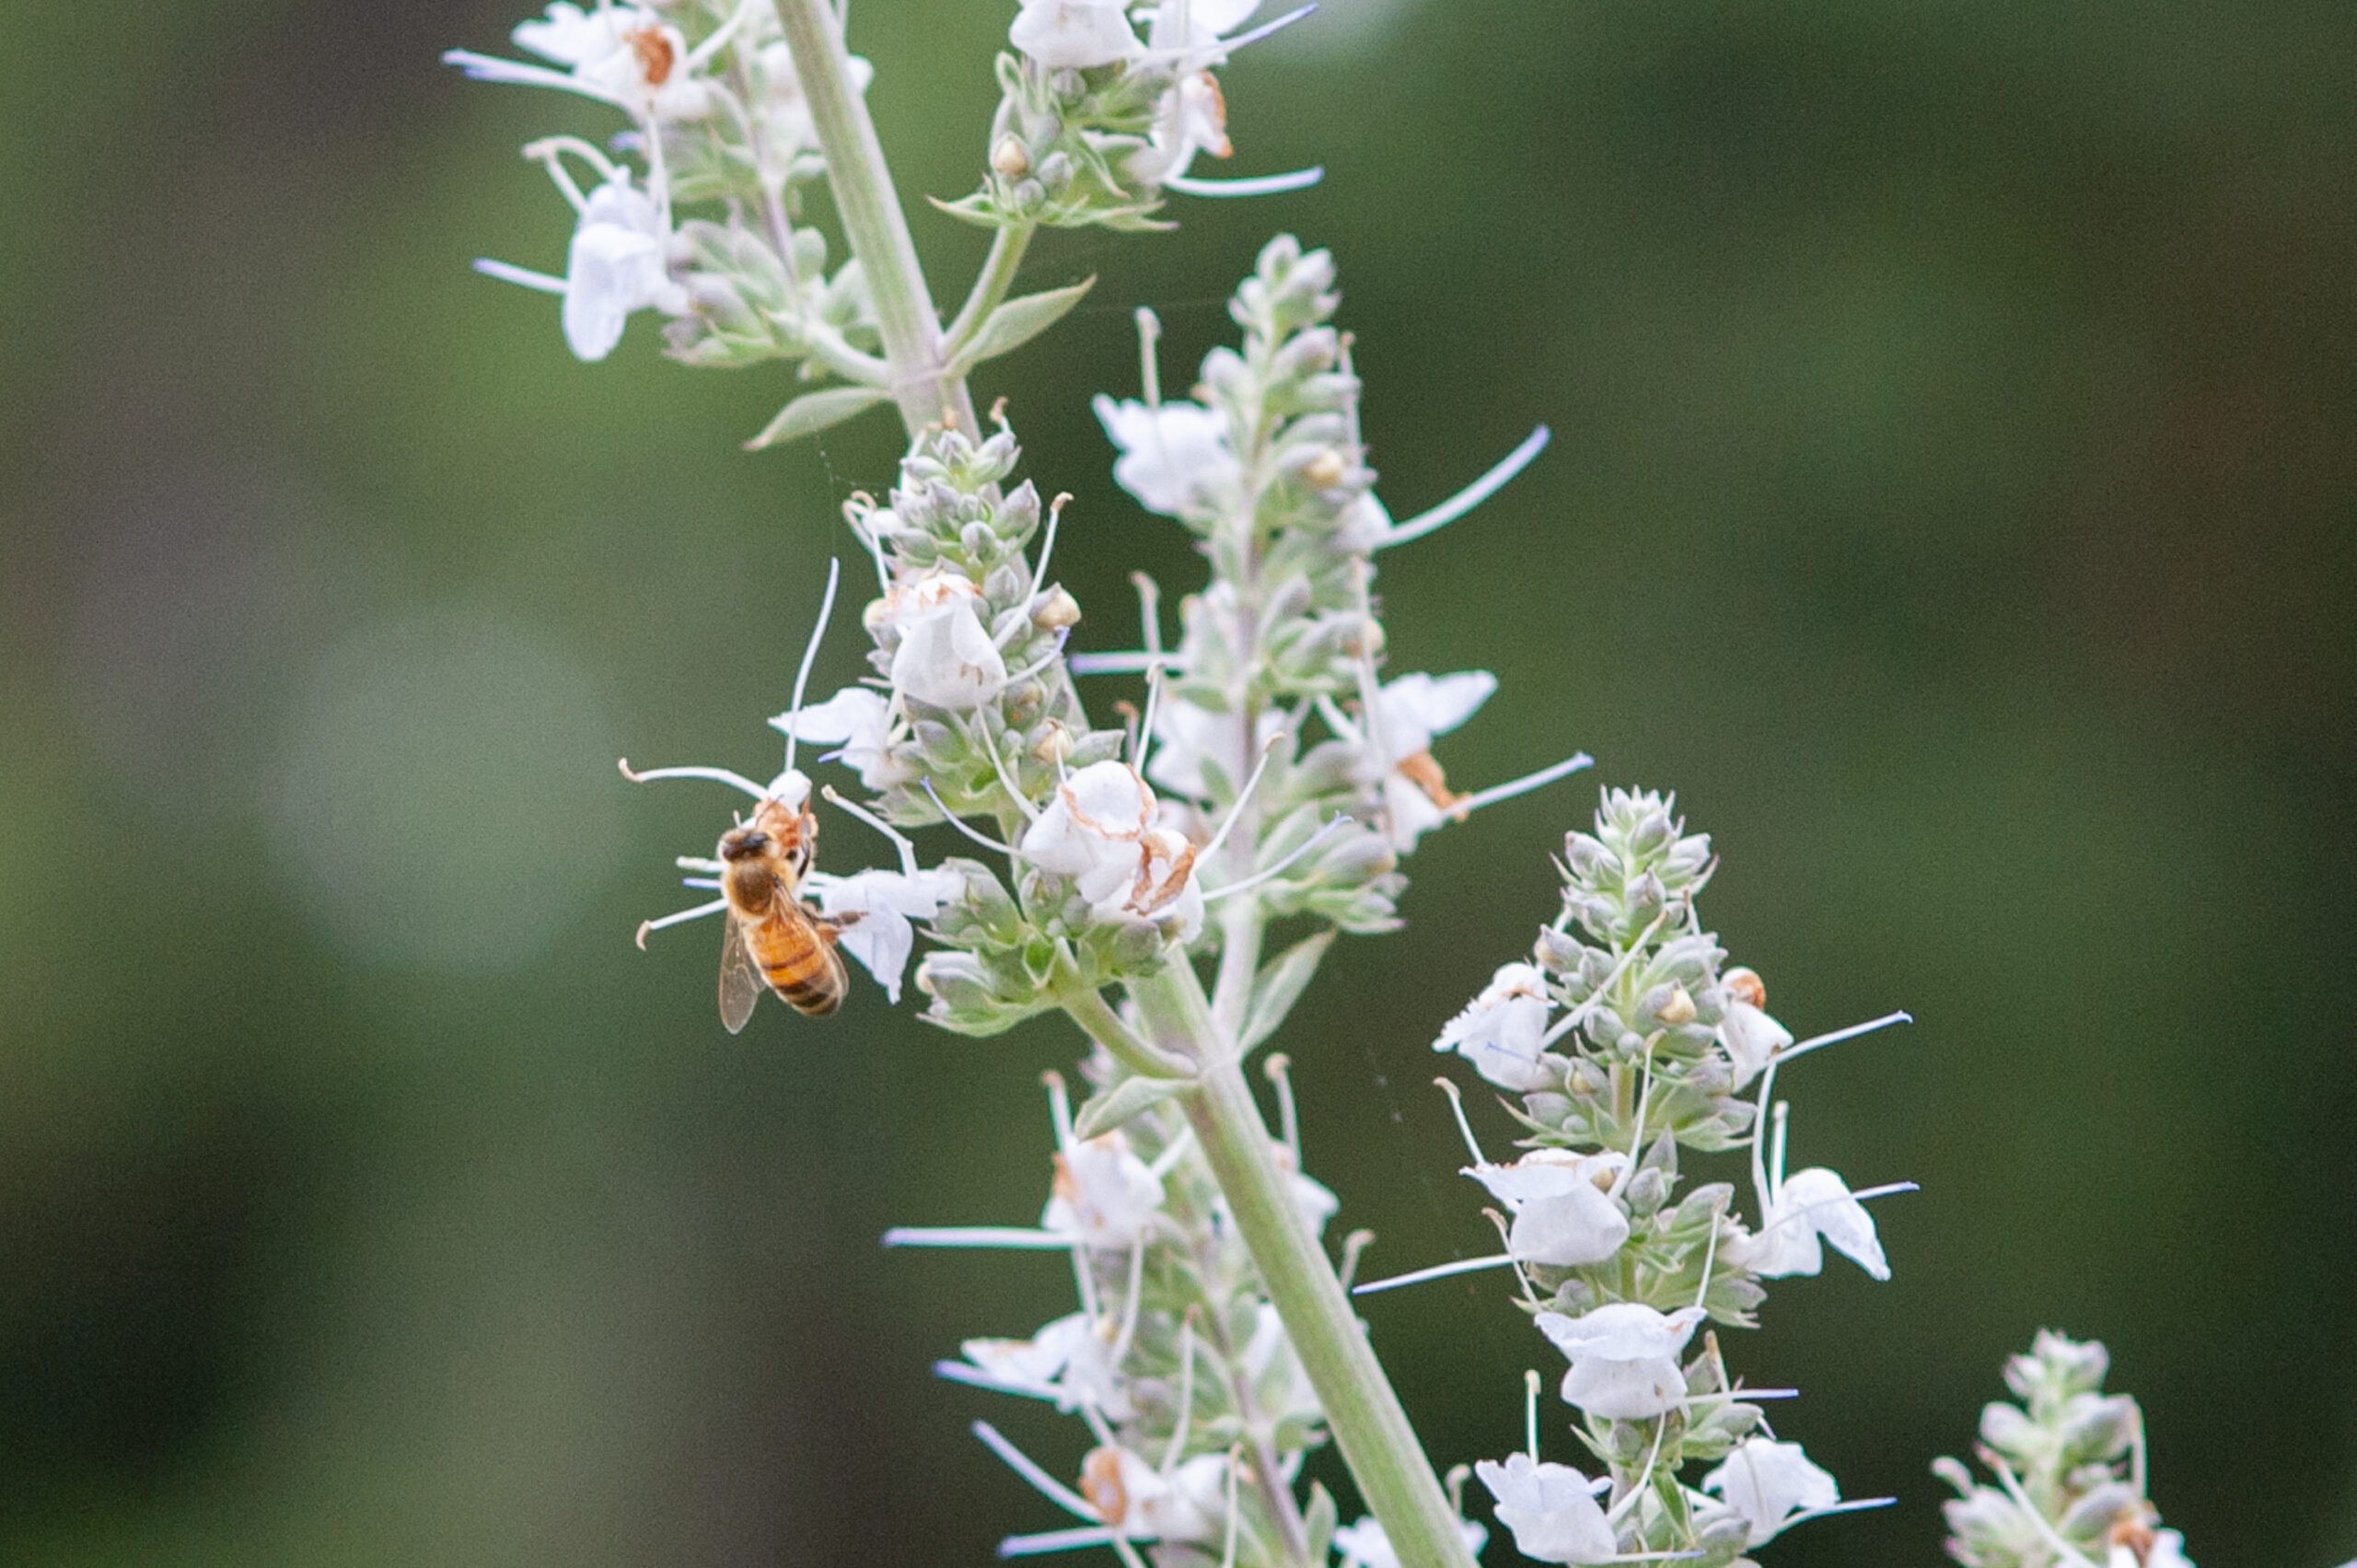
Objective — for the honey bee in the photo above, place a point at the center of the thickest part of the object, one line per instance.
(769, 933)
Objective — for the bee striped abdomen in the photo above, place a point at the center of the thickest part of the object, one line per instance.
(800, 963)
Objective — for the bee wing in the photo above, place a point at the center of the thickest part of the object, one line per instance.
(740, 982)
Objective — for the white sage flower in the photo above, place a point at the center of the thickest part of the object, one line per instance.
(883, 903)
(1365, 1545)
(1750, 1035)
(2168, 1550)
(1768, 1482)
(1190, 118)
(624, 55)
(786, 125)
(1561, 1216)
(1100, 831)
(1193, 31)
(1501, 1032)
(1174, 458)
(1068, 1361)
(857, 720)
(1077, 35)
(1296, 1398)
(1104, 1195)
(1188, 1502)
(1550, 1509)
(1624, 1357)
(943, 658)
(1186, 736)
(1814, 1204)
(616, 267)
(1411, 711)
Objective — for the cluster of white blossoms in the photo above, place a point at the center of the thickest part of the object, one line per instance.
(1198, 1415)
(1627, 1040)
(1273, 770)
(1104, 106)
(2070, 1465)
(715, 118)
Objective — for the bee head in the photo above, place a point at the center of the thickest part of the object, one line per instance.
(743, 843)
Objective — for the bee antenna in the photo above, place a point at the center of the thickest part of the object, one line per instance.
(809, 657)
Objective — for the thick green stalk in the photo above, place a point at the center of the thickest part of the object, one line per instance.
(1369, 1426)
(873, 221)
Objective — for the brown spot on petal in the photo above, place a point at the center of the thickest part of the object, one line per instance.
(1745, 987)
(1100, 1482)
(2132, 1530)
(1422, 770)
(656, 56)
(1064, 1185)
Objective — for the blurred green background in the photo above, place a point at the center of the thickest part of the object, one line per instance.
(1951, 498)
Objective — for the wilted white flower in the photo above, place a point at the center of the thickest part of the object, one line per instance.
(1076, 35)
(1104, 1195)
(1501, 1032)
(616, 267)
(883, 903)
(1174, 458)
(944, 657)
(1188, 1503)
(1768, 1482)
(1561, 1217)
(1192, 117)
(1410, 712)
(1550, 1509)
(1069, 1362)
(859, 722)
(1100, 831)
(1794, 1214)
(1365, 1544)
(1312, 1196)
(1624, 1357)
(622, 54)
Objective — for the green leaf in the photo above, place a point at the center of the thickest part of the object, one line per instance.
(1017, 323)
(1128, 1098)
(1320, 1518)
(814, 411)
(1280, 986)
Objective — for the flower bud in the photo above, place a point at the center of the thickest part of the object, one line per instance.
(1677, 1008)
(1055, 747)
(1057, 611)
(1327, 470)
(1745, 986)
(1009, 158)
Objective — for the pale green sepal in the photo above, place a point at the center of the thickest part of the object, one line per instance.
(1125, 1100)
(814, 411)
(1279, 987)
(1014, 324)
(1317, 1522)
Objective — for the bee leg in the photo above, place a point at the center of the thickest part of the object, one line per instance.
(831, 927)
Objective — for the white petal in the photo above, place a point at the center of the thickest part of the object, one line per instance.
(1417, 707)
(1767, 1483)
(1580, 1228)
(1553, 1515)
(1625, 1390)
(1074, 34)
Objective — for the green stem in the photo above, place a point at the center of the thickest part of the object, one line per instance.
(1104, 1026)
(990, 286)
(873, 221)
(1369, 1426)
